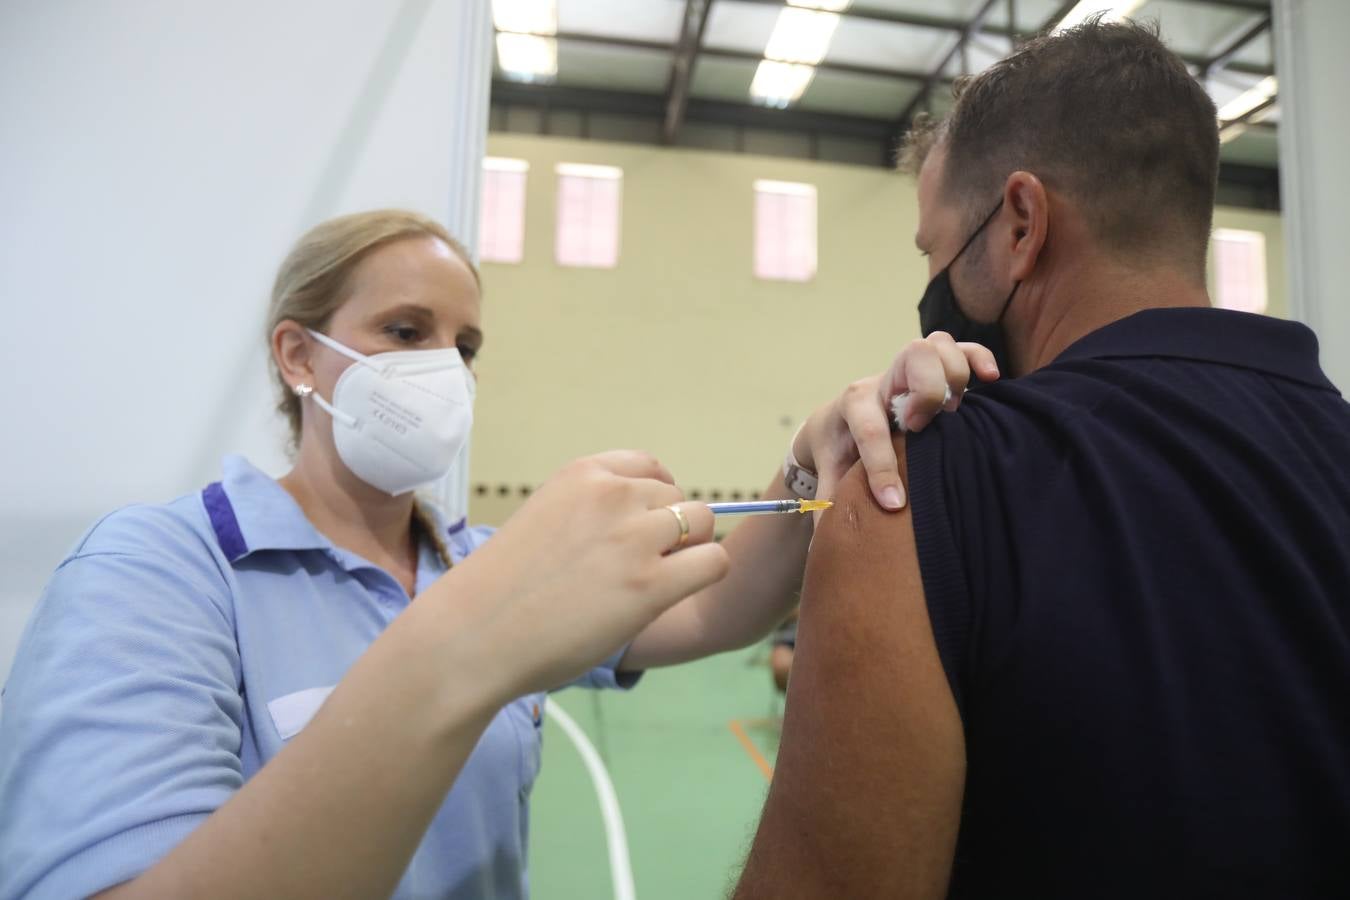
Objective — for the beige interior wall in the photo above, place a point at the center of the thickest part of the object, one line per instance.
(680, 350)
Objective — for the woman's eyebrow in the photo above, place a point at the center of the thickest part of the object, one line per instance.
(407, 309)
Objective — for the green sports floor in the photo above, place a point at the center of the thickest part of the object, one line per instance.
(688, 752)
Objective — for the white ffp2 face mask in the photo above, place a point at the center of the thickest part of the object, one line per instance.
(400, 418)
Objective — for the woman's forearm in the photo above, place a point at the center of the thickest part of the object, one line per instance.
(768, 556)
(341, 809)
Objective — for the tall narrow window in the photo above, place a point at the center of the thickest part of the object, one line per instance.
(785, 231)
(501, 227)
(1240, 270)
(588, 215)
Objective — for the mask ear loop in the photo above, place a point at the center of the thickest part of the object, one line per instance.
(303, 390)
(976, 233)
(1007, 303)
(346, 351)
(970, 240)
(338, 347)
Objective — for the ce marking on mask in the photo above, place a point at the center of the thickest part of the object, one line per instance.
(398, 419)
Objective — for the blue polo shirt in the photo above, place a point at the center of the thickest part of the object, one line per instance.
(1137, 568)
(174, 653)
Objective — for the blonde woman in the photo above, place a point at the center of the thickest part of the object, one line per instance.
(314, 685)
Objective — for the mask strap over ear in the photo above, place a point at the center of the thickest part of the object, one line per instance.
(342, 348)
(1007, 303)
(976, 233)
(337, 414)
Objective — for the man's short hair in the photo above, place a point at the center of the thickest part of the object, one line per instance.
(1103, 113)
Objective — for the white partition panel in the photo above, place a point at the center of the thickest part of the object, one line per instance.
(1314, 70)
(156, 162)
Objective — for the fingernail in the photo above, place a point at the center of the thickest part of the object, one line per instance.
(891, 498)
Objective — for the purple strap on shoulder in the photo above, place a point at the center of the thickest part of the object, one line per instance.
(226, 525)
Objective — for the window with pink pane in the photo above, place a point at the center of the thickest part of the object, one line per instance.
(501, 225)
(1240, 270)
(785, 231)
(589, 203)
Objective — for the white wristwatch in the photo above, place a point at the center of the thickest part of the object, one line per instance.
(801, 481)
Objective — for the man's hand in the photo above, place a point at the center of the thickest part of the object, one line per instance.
(857, 425)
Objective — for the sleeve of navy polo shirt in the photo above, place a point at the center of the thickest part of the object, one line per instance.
(121, 722)
(962, 496)
(605, 676)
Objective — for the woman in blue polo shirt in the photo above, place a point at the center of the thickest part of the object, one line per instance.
(235, 693)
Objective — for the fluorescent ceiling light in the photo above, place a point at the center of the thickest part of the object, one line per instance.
(504, 164)
(1249, 99)
(527, 57)
(801, 35)
(827, 5)
(526, 16)
(1114, 12)
(1231, 132)
(778, 83)
(584, 170)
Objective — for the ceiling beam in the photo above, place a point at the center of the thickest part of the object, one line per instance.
(1250, 114)
(743, 55)
(1251, 6)
(1221, 59)
(738, 115)
(690, 47)
(602, 40)
(947, 23)
(889, 17)
(925, 92)
(652, 106)
(1054, 19)
(578, 37)
(682, 66)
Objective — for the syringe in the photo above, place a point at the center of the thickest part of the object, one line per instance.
(767, 507)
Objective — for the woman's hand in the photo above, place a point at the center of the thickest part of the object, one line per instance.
(857, 423)
(585, 565)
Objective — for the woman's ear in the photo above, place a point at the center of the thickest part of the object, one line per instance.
(291, 348)
(1025, 198)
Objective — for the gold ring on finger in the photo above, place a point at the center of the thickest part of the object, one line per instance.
(683, 521)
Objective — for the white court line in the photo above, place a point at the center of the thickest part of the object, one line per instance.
(620, 866)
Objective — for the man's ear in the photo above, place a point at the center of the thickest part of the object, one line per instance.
(291, 348)
(1025, 199)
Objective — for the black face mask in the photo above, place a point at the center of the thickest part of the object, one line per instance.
(940, 311)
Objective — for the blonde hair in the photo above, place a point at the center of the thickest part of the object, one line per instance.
(312, 282)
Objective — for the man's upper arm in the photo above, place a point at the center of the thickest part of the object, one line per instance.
(866, 797)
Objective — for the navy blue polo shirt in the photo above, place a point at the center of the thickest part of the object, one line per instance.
(1137, 566)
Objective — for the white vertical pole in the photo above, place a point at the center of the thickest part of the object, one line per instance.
(1314, 70)
(471, 81)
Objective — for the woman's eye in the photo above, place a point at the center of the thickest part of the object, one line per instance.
(403, 333)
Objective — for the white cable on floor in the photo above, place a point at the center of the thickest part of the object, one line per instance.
(620, 866)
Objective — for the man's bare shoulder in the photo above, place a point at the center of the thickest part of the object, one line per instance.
(866, 796)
